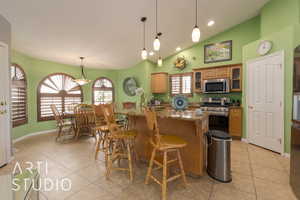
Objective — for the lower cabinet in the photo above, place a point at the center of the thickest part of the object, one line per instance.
(236, 121)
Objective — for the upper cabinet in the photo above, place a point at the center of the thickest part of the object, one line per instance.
(198, 81)
(231, 72)
(236, 78)
(159, 83)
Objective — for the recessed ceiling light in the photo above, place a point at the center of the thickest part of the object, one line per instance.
(211, 23)
(178, 49)
(151, 53)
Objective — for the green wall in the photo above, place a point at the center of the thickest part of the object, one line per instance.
(241, 35)
(279, 24)
(142, 73)
(36, 70)
(279, 14)
(282, 41)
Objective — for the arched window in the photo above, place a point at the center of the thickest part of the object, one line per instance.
(103, 91)
(58, 89)
(18, 95)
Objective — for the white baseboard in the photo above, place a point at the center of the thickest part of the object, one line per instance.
(245, 140)
(33, 134)
(288, 155)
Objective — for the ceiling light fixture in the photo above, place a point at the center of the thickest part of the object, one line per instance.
(159, 61)
(211, 23)
(144, 51)
(178, 49)
(83, 80)
(196, 34)
(156, 43)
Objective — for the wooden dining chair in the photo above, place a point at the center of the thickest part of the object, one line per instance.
(165, 144)
(60, 122)
(121, 142)
(84, 119)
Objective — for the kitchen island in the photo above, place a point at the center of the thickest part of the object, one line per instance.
(186, 125)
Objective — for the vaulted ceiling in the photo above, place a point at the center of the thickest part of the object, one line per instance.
(109, 32)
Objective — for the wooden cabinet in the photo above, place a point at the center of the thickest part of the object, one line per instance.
(159, 82)
(223, 72)
(235, 121)
(198, 81)
(236, 78)
(209, 73)
(231, 72)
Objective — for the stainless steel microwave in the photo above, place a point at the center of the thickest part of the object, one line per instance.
(216, 86)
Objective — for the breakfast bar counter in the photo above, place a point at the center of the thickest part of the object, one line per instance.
(185, 124)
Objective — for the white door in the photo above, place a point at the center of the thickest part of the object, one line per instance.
(5, 128)
(265, 101)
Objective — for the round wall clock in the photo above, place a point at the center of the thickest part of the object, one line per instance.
(264, 47)
(129, 86)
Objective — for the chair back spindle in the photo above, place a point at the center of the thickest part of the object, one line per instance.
(57, 115)
(151, 119)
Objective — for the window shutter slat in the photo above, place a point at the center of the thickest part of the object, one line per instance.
(181, 84)
(18, 96)
(65, 94)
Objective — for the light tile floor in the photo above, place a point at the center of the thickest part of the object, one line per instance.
(257, 174)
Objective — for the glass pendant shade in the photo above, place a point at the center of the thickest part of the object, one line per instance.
(156, 44)
(83, 80)
(159, 62)
(196, 34)
(144, 54)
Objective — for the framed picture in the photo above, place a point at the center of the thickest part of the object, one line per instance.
(218, 52)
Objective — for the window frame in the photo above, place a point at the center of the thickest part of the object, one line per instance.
(39, 117)
(23, 121)
(99, 89)
(180, 83)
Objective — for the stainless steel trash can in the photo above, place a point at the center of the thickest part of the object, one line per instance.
(218, 156)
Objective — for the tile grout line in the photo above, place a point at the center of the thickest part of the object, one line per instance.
(252, 173)
(211, 191)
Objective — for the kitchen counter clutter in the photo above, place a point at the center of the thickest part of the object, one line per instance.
(188, 115)
(186, 125)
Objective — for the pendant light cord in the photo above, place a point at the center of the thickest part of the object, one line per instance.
(82, 72)
(196, 12)
(144, 34)
(156, 16)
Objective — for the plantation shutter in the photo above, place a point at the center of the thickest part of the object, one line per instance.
(175, 84)
(18, 96)
(186, 84)
(59, 90)
(181, 84)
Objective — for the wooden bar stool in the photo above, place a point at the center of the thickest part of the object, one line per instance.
(119, 145)
(100, 129)
(164, 144)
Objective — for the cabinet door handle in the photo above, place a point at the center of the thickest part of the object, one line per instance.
(251, 107)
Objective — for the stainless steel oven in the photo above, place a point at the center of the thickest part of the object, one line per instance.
(216, 86)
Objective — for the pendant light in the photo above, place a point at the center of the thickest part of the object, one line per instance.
(159, 61)
(196, 34)
(144, 51)
(83, 80)
(156, 43)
